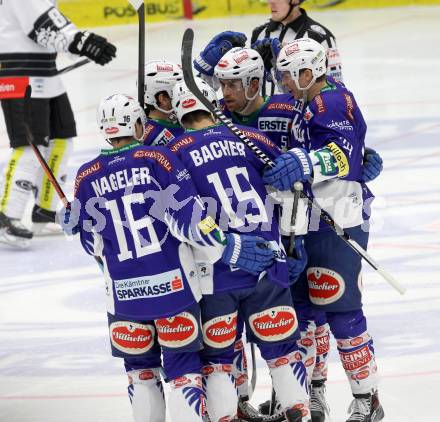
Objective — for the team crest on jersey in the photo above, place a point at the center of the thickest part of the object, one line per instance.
(177, 331)
(274, 324)
(131, 337)
(325, 286)
(221, 331)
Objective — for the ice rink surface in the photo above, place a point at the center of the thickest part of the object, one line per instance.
(55, 363)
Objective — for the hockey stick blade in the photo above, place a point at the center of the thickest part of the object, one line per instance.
(187, 45)
(40, 158)
(188, 76)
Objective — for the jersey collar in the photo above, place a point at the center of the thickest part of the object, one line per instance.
(112, 151)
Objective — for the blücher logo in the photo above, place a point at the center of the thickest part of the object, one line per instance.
(241, 57)
(191, 102)
(111, 130)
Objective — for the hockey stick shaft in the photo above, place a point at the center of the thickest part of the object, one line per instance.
(254, 371)
(297, 189)
(40, 158)
(139, 6)
(187, 45)
(73, 66)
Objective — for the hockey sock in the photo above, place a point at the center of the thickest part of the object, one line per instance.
(322, 343)
(240, 370)
(186, 401)
(145, 391)
(19, 182)
(221, 395)
(289, 380)
(307, 346)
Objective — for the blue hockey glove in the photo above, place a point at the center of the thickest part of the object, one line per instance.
(216, 49)
(290, 167)
(249, 253)
(298, 264)
(269, 48)
(373, 165)
(68, 221)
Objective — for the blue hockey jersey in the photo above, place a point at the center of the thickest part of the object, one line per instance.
(159, 132)
(136, 204)
(333, 130)
(227, 176)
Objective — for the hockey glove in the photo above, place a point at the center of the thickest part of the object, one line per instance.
(216, 49)
(93, 46)
(298, 264)
(373, 165)
(290, 167)
(268, 48)
(249, 253)
(68, 220)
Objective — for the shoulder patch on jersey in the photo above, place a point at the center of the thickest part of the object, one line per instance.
(92, 168)
(161, 158)
(320, 104)
(280, 106)
(187, 140)
(259, 137)
(318, 29)
(341, 158)
(349, 105)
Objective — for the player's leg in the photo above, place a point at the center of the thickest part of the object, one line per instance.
(57, 153)
(145, 388)
(334, 277)
(356, 351)
(135, 343)
(22, 167)
(272, 324)
(219, 319)
(180, 338)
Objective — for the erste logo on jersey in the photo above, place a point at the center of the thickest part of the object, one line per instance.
(325, 286)
(274, 324)
(177, 331)
(220, 331)
(131, 337)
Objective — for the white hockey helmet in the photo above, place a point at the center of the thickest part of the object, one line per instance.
(184, 101)
(241, 63)
(117, 116)
(303, 53)
(160, 75)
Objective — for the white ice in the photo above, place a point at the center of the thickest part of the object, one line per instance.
(55, 363)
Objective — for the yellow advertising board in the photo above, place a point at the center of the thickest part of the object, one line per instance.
(88, 13)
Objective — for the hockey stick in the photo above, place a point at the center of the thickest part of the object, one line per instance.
(139, 6)
(40, 158)
(187, 44)
(72, 66)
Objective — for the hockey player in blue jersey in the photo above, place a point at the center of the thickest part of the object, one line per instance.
(222, 167)
(160, 78)
(333, 134)
(137, 209)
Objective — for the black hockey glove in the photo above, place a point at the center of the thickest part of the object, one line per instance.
(93, 46)
(269, 49)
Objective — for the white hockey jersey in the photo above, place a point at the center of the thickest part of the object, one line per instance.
(32, 32)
